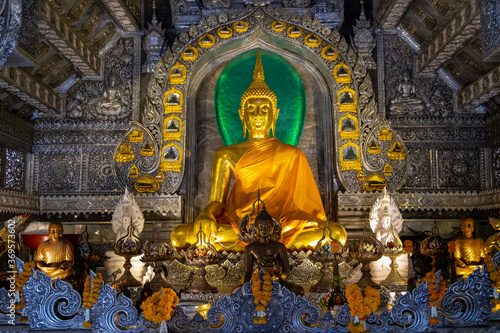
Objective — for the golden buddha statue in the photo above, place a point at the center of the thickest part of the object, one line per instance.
(469, 250)
(55, 256)
(279, 170)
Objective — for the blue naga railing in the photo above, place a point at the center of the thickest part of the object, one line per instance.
(51, 306)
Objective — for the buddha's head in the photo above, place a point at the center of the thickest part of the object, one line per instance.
(264, 225)
(55, 231)
(259, 106)
(467, 226)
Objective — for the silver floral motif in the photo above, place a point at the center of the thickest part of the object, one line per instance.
(47, 305)
(58, 173)
(306, 273)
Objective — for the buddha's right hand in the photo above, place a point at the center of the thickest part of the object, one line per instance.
(208, 218)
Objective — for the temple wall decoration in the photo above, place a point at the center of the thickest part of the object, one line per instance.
(427, 95)
(117, 96)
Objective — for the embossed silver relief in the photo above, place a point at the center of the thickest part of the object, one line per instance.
(299, 4)
(459, 169)
(138, 153)
(496, 167)
(216, 4)
(10, 24)
(15, 166)
(406, 101)
(429, 96)
(58, 173)
(153, 43)
(364, 39)
(100, 173)
(419, 169)
(110, 99)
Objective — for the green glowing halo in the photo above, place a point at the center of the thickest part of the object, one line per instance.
(280, 77)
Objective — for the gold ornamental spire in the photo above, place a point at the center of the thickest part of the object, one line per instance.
(258, 72)
(259, 88)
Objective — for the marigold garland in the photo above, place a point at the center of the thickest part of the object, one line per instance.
(356, 327)
(20, 282)
(361, 305)
(262, 291)
(160, 306)
(451, 247)
(90, 295)
(408, 246)
(435, 294)
(494, 277)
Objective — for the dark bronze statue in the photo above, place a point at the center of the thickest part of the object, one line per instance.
(268, 254)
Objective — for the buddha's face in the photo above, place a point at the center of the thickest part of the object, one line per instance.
(55, 232)
(467, 227)
(258, 116)
(264, 228)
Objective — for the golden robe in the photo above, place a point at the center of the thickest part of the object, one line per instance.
(287, 187)
(58, 252)
(470, 251)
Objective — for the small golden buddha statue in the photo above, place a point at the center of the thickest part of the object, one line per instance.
(55, 257)
(279, 170)
(469, 250)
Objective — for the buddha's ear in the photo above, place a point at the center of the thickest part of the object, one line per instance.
(242, 117)
(273, 127)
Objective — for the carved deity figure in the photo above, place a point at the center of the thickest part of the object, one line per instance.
(127, 212)
(385, 212)
(55, 257)
(469, 249)
(386, 223)
(113, 101)
(279, 170)
(406, 102)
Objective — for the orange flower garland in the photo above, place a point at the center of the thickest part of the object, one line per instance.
(20, 282)
(408, 246)
(160, 306)
(435, 295)
(262, 294)
(90, 295)
(451, 247)
(494, 277)
(361, 305)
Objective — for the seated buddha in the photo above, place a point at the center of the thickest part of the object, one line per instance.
(268, 254)
(469, 249)
(280, 171)
(406, 101)
(55, 257)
